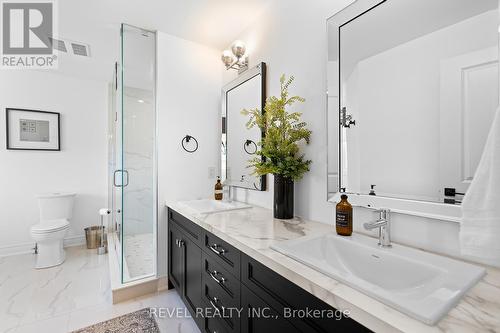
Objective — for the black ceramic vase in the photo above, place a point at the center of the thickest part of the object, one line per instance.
(283, 197)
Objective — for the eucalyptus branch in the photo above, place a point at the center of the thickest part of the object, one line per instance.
(279, 151)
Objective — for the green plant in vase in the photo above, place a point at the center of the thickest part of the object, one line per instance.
(279, 151)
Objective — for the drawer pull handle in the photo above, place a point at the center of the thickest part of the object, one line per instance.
(214, 274)
(215, 247)
(214, 301)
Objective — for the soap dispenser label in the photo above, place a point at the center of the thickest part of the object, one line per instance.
(342, 219)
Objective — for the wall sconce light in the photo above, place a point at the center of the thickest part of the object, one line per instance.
(236, 58)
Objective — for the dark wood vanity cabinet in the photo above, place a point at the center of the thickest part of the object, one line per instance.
(192, 275)
(212, 275)
(175, 260)
(184, 257)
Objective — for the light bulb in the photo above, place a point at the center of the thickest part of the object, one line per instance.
(238, 48)
(243, 60)
(227, 57)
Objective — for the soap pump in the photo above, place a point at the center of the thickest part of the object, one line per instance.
(218, 190)
(343, 216)
(372, 190)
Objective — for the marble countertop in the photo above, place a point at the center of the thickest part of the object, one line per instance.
(254, 230)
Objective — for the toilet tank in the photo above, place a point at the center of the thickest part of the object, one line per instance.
(56, 205)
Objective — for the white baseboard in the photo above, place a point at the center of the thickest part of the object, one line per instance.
(29, 247)
(19, 248)
(74, 240)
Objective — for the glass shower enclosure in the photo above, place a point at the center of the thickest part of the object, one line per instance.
(133, 181)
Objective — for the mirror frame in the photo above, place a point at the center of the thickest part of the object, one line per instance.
(426, 209)
(249, 74)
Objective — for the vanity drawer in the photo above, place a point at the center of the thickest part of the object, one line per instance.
(191, 230)
(258, 316)
(213, 270)
(225, 254)
(215, 298)
(215, 325)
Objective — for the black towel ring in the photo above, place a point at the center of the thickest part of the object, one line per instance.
(188, 138)
(248, 143)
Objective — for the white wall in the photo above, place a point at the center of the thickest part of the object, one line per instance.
(188, 102)
(80, 166)
(291, 38)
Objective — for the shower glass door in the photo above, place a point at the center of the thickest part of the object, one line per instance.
(136, 170)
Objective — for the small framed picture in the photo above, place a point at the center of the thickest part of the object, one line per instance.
(32, 130)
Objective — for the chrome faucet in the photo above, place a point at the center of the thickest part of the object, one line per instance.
(384, 227)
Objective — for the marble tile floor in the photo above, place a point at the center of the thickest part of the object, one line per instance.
(71, 296)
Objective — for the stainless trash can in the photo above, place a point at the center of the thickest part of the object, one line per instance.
(93, 237)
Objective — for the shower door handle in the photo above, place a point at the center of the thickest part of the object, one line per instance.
(114, 178)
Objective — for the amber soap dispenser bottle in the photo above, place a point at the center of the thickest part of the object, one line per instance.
(343, 217)
(218, 190)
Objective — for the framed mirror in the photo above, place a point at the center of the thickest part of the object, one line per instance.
(238, 143)
(412, 90)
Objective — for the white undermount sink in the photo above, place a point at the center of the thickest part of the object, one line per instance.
(422, 285)
(206, 206)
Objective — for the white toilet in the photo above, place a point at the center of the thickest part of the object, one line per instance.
(56, 210)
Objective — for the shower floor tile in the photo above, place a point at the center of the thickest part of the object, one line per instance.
(139, 254)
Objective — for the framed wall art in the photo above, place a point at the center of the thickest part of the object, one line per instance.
(32, 130)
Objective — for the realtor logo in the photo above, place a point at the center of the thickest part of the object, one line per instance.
(27, 29)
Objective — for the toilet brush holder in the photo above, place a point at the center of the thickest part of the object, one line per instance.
(102, 250)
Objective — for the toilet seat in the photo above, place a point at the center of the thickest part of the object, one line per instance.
(50, 226)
